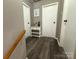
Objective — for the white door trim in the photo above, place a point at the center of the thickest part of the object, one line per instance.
(23, 3)
(56, 3)
(27, 6)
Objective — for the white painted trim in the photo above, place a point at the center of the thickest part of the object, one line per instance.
(56, 3)
(23, 3)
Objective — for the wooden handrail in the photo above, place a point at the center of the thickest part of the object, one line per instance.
(20, 36)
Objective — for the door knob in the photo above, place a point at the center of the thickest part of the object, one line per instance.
(65, 20)
(28, 22)
(54, 22)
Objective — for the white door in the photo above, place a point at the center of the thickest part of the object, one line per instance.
(26, 13)
(49, 20)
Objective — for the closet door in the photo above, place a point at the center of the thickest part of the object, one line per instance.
(49, 20)
(26, 13)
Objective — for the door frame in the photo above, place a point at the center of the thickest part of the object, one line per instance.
(50, 4)
(24, 4)
(46, 5)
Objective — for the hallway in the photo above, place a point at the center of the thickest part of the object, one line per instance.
(31, 26)
(44, 48)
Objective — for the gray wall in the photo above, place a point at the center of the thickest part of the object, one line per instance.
(59, 16)
(69, 42)
(19, 52)
(13, 23)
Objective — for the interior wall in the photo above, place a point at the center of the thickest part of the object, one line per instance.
(13, 23)
(19, 52)
(59, 16)
(69, 42)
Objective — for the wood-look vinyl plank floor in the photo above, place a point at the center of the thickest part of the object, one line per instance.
(46, 48)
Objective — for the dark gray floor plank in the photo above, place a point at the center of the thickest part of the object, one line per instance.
(46, 48)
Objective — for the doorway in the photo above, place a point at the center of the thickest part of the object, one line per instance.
(49, 19)
(27, 23)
